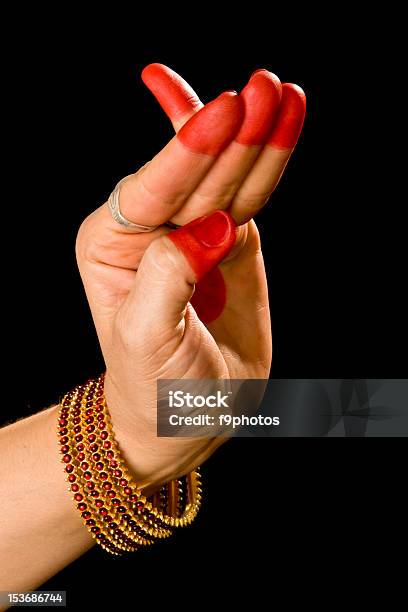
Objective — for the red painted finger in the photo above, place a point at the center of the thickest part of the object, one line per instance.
(153, 196)
(261, 99)
(264, 176)
(290, 119)
(178, 100)
(205, 241)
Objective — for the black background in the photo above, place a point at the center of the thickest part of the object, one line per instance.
(80, 118)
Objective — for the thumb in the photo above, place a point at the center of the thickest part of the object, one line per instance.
(170, 268)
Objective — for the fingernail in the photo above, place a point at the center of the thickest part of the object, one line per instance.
(214, 230)
(206, 241)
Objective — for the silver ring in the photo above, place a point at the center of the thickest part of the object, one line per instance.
(113, 205)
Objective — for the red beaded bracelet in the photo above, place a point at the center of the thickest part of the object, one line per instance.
(115, 511)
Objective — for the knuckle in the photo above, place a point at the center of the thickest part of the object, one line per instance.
(162, 255)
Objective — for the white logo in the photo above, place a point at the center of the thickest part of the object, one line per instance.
(179, 399)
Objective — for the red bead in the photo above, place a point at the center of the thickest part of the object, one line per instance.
(98, 408)
(110, 454)
(88, 405)
(99, 400)
(90, 485)
(103, 475)
(63, 431)
(107, 518)
(80, 446)
(65, 449)
(126, 517)
(90, 428)
(76, 421)
(121, 509)
(96, 530)
(112, 525)
(99, 466)
(118, 473)
(100, 536)
(113, 463)
(93, 448)
(127, 490)
(99, 393)
(66, 402)
(66, 458)
(64, 440)
(133, 498)
(102, 425)
(115, 502)
(87, 475)
(92, 438)
(96, 456)
(106, 486)
(77, 429)
(78, 497)
(107, 444)
(81, 456)
(89, 420)
(74, 488)
(84, 465)
(69, 468)
(103, 511)
(90, 522)
(63, 422)
(82, 506)
(89, 412)
(79, 438)
(71, 478)
(139, 505)
(123, 482)
(86, 514)
(95, 493)
(100, 417)
(111, 494)
(99, 503)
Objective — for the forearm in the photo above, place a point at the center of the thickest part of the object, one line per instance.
(41, 530)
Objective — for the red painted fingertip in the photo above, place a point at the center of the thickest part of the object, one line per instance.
(173, 93)
(261, 97)
(214, 126)
(206, 241)
(290, 119)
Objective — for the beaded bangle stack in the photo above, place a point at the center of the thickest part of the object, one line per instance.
(115, 511)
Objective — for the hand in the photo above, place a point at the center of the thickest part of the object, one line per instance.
(230, 155)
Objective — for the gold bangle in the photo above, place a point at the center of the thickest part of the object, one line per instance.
(115, 511)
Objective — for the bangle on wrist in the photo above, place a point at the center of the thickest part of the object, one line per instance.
(115, 511)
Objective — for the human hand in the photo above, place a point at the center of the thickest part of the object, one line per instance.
(139, 286)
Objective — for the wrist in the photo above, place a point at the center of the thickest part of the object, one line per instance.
(137, 438)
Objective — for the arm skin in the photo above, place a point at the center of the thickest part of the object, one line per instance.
(41, 530)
